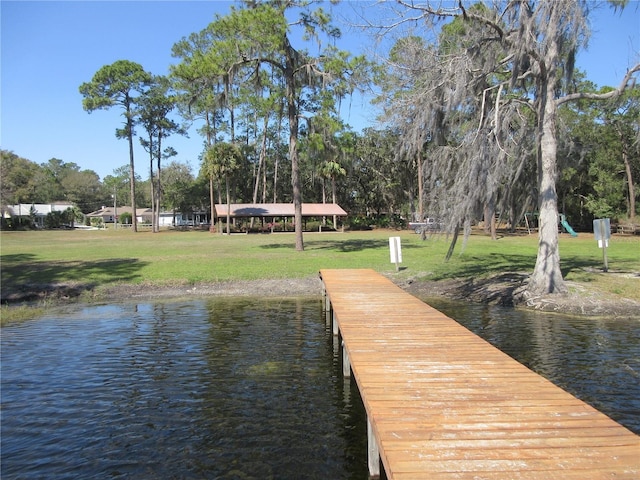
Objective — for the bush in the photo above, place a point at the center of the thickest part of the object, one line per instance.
(53, 220)
(125, 218)
(359, 223)
(96, 222)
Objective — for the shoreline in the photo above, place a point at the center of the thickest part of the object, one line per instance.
(505, 289)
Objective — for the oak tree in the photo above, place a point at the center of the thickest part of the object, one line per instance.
(488, 96)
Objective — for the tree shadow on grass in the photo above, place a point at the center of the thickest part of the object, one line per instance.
(492, 264)
(345, 246)
(26, 278)
(483, 266)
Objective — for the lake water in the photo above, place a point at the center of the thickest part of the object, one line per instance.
(243, 388)
(234, 389)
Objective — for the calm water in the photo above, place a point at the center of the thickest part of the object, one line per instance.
(220, 389)
(241, 389)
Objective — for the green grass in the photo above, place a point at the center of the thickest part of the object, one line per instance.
(102, 258)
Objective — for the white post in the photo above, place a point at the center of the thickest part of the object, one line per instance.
(395, 251)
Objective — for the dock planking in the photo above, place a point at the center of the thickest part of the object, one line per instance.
(442, 403)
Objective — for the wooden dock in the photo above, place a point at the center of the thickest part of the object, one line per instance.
(442, 403)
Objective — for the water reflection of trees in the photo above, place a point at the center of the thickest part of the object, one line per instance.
(273, 381)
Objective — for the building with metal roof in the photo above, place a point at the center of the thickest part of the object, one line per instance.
(261, 210)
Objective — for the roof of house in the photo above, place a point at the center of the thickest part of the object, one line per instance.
(108, 211)
(279, 210)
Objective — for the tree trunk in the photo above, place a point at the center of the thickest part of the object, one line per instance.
(264, 182)
(261, 162)
(156, 213)
(296, 183)
(158, 200)
(132, 173)
(292, 111)
(275, 180)
(212, 225)
(487, 215)
(490, 218)
(420, 189)
(630, 185)
(324, 199)
(226, 178)
(333, 197)
(152, 186)
(452, 245)
(212, 198)
(547, 276)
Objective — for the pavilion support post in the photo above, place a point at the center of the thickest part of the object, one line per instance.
(373, 453)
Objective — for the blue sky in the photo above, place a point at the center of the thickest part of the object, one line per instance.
(49, 48)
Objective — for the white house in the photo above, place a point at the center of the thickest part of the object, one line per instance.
(167, 219)
(108, 214)
(38, 211)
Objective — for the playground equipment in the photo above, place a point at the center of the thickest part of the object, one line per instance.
(566, 226)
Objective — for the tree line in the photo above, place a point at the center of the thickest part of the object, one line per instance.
(484, 117)
(598, 153)
(363, 178)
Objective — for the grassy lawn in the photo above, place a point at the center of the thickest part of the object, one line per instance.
(101, 258)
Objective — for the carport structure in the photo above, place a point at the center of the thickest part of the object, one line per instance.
(278, 210)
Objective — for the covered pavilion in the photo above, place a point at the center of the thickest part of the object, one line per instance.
(278, 210)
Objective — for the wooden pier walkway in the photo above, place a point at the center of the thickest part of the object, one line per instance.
(442, 403)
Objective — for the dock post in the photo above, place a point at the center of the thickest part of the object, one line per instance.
(373, 453)
(326, 303)
(346, 364)
(325, 296)
(334, 319)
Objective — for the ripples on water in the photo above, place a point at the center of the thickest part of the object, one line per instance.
(243, 389)
(246, 388)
